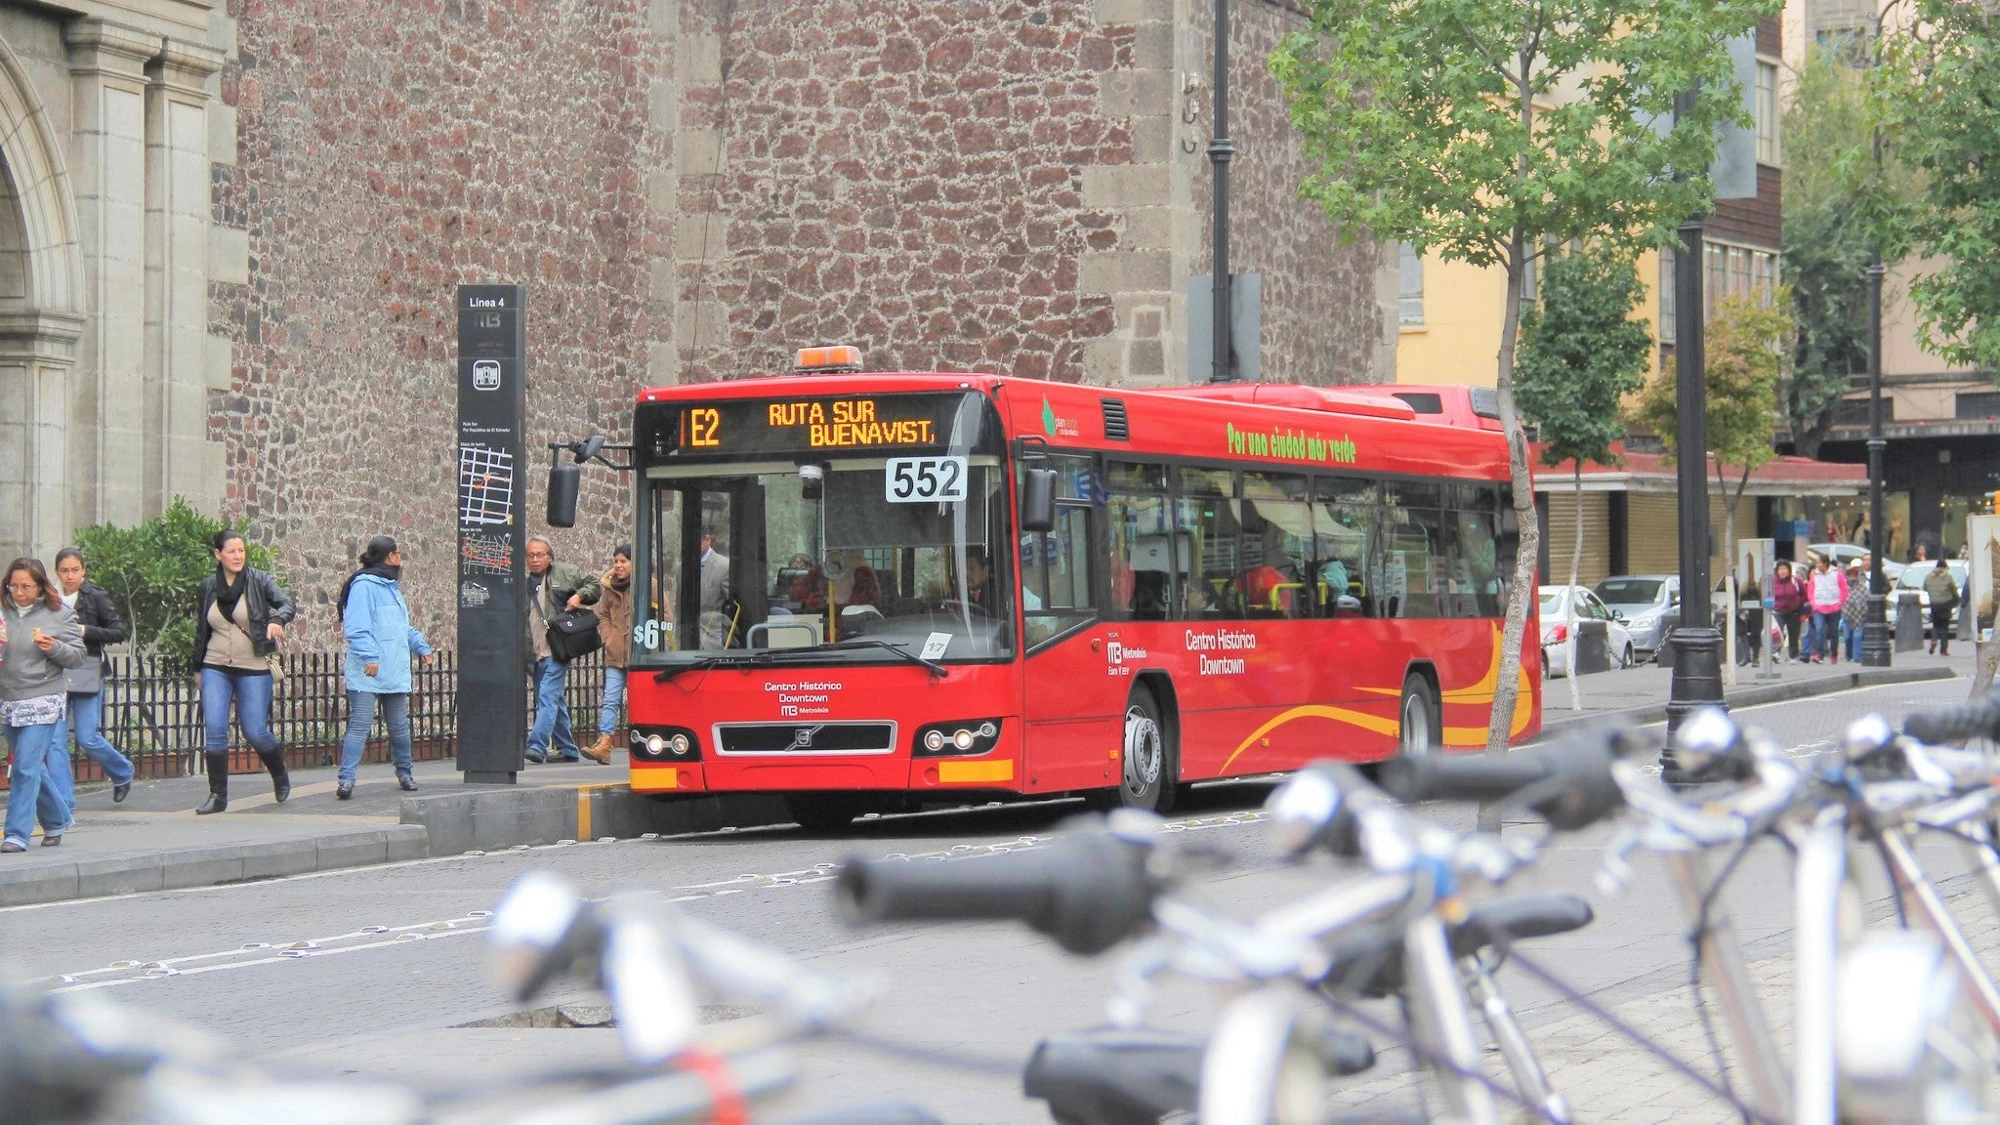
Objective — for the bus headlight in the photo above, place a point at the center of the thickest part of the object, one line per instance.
(664, 744)
(967, 736)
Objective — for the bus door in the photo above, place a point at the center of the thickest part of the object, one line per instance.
(1070, 704)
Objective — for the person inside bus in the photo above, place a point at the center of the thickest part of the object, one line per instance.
(981, 591)
(1271, 586)
(718, 630)
(854, 583)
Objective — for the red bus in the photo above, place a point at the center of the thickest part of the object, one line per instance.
(878, 589)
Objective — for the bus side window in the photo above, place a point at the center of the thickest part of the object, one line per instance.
(1205, 518)
(1343, 533)
(1055, 586)
(1479, 546)
(1142, 557)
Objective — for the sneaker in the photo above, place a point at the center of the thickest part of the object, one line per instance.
(408, 783)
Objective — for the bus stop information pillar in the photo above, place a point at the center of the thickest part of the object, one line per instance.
(492, 562)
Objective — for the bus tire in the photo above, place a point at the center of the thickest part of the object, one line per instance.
(1417, 723)
(824, 812)
(1147, 763)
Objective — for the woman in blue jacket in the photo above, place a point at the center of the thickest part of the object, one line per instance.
(380, 642)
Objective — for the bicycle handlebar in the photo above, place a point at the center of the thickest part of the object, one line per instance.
(1978, 719)
(1087, 892)
(1568, 783)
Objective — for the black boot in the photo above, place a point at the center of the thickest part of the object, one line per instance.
(281, 778)
(218, 785)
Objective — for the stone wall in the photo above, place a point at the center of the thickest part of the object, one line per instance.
(387, 153)
(908, 178)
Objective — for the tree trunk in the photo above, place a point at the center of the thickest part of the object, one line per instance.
(1729, 598)
(1575, 564)
(1521, 597)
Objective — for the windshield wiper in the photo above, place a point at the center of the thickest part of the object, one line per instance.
(936, 669)
(703, 665)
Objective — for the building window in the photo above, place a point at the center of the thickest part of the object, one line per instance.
(1716, 284)
(1848, 45)
(1411, 294)
(1739, 271)
(1531, 282)
(1974, 406)
(1763, 275)
(1767, 113)
(1669, 297)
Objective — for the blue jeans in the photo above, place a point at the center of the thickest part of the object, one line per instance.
(552, 711)
(86, 720)
(251, 693)
(33, 793)
(614, 701)
(1853, 640)
(361, 719)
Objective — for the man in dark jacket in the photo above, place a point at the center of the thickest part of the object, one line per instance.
(101, 626)
(553, 587)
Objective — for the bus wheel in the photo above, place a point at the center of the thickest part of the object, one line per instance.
(1418, 714)
(824, 812)
(1147, 781)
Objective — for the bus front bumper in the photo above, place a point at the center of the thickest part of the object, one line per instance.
(998, 771)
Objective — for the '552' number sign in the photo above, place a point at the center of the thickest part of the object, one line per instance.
(923, 480)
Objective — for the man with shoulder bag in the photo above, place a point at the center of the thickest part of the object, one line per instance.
(559, 631)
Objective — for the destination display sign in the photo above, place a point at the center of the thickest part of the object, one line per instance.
(841, 424)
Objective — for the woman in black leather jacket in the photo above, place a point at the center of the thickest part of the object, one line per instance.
(243, 617)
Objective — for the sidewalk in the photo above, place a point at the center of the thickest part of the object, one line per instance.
(1639, 694)
(153, 841)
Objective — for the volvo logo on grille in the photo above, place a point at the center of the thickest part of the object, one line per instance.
(802, 738)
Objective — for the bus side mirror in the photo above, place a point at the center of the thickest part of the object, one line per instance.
(564, 481)
(1038, 500)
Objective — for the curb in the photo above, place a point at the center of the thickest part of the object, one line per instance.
(1755, 695)
(209, 866)
(501, 817)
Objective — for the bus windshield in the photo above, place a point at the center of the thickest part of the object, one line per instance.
(826, 561)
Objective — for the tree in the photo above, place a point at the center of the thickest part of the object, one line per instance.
(1748, 353)
(1486, 129)
(152, 572)
(1581, 354)
(1937, 89)
(1827, 242)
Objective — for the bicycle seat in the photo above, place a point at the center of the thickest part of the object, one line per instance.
(1372, 964)
(1116, 1077)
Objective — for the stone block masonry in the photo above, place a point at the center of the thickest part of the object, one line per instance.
(691, 190)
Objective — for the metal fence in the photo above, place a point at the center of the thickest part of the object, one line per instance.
(152, 712)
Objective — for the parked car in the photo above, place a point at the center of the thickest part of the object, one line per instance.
(1912, 579)
(1563, 608)
(1649, 604)
(1844, 553)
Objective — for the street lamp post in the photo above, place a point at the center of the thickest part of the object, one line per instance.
(1697, 680)
(1220, 153)
(1875, 646)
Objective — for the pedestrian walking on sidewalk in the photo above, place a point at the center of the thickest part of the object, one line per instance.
(1826, 591)
(1942, 589)
(1788, 602)
(101, 626)
(1854, 609)
(42, 644)
(614, 625)
(242, 618)
(552, 587)
(380, 644)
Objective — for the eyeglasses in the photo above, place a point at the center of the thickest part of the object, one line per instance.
(23, 587)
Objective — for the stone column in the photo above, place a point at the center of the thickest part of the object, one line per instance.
(108, 165)
(37, 353)
(177, 237)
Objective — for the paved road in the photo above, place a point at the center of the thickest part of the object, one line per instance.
(396, 957)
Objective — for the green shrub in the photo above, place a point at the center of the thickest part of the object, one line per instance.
(154, 571)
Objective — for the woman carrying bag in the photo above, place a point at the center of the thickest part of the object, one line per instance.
(40, 642)
(243, 617)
